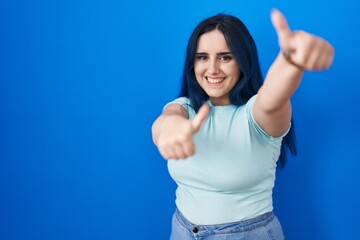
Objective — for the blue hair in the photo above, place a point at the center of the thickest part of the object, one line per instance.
(243, 48)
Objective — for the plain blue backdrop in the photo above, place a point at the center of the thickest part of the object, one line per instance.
(82, 81)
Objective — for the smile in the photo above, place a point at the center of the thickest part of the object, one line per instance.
(214, 80)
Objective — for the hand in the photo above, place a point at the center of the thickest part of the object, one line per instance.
(300, 48)
(175, 140)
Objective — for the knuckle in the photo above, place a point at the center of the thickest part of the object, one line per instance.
(162, 144)
(164, 154)
(182, 137)
(187, 128)
(192, 150)
(191, 153)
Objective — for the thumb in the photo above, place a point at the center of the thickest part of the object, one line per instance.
(200, 116)
(282, 29)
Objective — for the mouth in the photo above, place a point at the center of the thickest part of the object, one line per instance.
(214, 81)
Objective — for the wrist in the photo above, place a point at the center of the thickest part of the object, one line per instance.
(286, 56)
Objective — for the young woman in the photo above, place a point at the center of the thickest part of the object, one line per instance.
(224, 135)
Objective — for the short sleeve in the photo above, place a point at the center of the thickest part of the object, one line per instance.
(185, 102)
(253, 124)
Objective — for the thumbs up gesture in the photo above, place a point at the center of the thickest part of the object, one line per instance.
(300, 48)
(175, 137)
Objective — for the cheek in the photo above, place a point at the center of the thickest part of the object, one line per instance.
(199, 70)
(237, 75)
(234, 71)
(197, 67)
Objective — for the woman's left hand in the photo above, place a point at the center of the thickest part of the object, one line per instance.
(300, 48)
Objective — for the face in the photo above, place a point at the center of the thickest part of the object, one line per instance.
(215, 67)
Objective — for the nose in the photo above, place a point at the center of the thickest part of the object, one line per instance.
(213, 67)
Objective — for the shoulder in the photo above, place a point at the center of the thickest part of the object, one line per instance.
(183, 101)
(255, 125)
(180, 100)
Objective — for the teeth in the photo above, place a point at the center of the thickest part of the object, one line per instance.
(214, 80)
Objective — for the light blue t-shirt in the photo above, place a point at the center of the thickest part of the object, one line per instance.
(231, 175)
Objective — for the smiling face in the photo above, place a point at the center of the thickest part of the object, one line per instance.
(215, 67)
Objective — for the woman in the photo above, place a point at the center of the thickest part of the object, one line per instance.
(223, 137)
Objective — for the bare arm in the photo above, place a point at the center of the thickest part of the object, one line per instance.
(272, 108)
(173, 132)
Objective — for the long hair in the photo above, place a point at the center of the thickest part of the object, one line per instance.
(243, 48)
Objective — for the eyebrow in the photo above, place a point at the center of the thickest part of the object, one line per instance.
(219, 54)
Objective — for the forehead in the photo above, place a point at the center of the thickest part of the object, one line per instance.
(213, 41)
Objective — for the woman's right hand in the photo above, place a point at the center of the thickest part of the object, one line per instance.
(175, 134)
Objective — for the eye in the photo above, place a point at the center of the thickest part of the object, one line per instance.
(201, 57)
(225, 58)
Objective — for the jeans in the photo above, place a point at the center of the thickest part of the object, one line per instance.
(263, 227)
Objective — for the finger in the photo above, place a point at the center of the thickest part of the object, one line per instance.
(326, 52)
(317, 57)
(164, 154)
(319, 60)
(282, 29)
(171, 154)
(200, 117)
(189, 148)
(179, 152)
(315, 63)
(330, 55)
(322, 62)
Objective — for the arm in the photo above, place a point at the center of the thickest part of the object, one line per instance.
(173, 132)
(272, 108)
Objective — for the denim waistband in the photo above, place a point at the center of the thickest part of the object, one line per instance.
(240, 226)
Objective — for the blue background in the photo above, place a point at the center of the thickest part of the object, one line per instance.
(82, 81)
